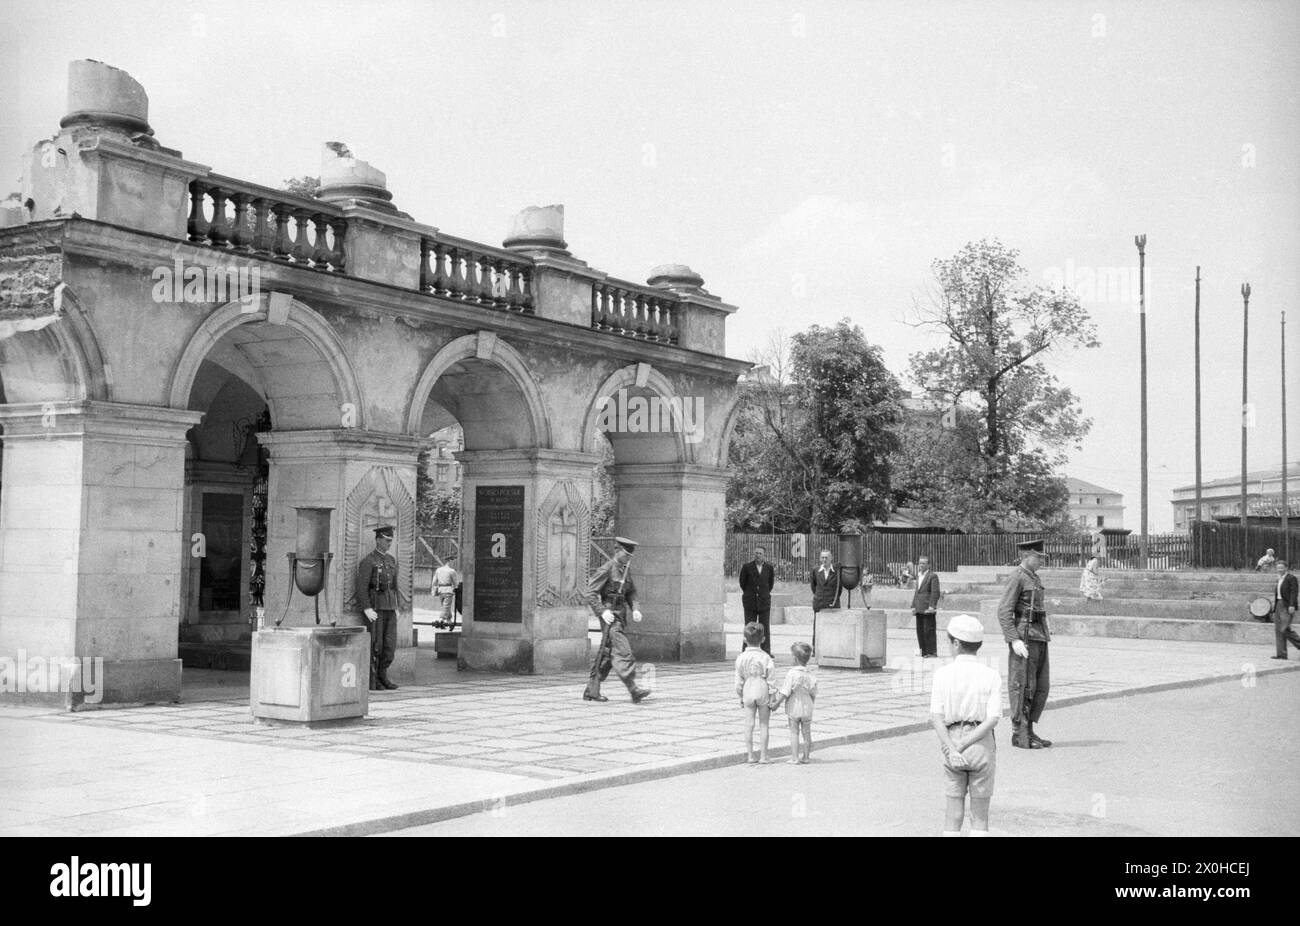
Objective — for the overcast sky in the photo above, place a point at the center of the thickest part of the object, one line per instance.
(809, 160)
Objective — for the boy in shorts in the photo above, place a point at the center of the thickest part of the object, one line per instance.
(754, 672)
(965, 704)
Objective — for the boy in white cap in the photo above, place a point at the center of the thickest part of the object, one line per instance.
(965, 704)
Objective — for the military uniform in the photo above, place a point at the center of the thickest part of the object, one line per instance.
(1022, 616)
(611, 589)
(377, 588)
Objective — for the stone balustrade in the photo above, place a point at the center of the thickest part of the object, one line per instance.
(457, 269)
(634, 311)
(251, 219)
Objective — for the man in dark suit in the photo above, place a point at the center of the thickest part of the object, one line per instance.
(825, 583)
(1285, 596)
(925, 601)
(756, 581)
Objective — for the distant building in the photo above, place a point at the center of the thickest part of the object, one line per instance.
(1092, 506)
(443, 468)
(924, 410)
(1221, 498)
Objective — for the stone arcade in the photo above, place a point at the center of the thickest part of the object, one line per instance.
(138, 432)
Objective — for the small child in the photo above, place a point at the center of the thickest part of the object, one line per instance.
(965, 704)
(798, 692)
(754, 671)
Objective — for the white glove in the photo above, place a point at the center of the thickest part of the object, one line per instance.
(1018, 647)
(607, 616)
(636, 616)
(371, 615)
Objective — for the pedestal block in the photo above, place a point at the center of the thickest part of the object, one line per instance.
(310, 674)
(851, 638)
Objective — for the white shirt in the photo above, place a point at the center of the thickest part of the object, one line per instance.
(966, 689)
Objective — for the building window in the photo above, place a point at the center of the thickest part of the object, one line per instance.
(1101, 520)
(1098, 501)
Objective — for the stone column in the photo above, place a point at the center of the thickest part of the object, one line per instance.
(527, 522)
(368, 479)
(91, 544)
(675, 512)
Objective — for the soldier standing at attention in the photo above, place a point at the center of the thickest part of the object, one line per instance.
(1024, 626)
(377, 598)
(612, 596)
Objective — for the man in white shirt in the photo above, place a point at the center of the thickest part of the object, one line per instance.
(965, 704)
(445, 580)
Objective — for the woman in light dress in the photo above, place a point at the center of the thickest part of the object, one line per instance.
(1091, 581)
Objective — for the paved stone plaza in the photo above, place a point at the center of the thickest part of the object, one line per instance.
(460, 742)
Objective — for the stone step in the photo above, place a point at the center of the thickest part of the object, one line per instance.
(1134, 607)
(1130, 590)
(1253, 633)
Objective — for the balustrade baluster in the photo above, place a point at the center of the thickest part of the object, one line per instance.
(484, 291)
(514, 296)
(240, 234)
(526, 277)
(219, 230)
(198, 223)
(461, 273)
(301, 246)
(321, 253)
(261, 243)
(281, 246)
(595, 306)
(439, 282)
(338, 255)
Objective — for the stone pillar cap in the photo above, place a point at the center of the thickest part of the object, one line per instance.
(101, 94)
(675, 276)
(538, 228)
(344, 177)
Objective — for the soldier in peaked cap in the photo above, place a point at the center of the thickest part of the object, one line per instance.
(965, 704)
(1023, 618)
(612, 597)
(376, 591)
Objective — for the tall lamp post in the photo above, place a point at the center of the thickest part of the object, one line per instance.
(1245, 337)
(1286, 534)
(1141, 242)
(1197, 527)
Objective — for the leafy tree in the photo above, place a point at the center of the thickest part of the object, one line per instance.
(812, 452)
(1000, 331)
(303, 186)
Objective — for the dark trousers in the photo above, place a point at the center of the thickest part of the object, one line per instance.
(763, 616)
(1282, 630)
(383, 643)
(1028, 682)
(925, 634)
(615, 653)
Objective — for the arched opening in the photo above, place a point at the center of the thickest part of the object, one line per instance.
(248, 377)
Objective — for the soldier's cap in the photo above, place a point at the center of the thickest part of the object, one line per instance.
(629, 545)
(386, 531)
(966, 628)
(1031, 546)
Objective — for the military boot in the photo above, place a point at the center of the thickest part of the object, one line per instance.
(1020, 736)
(1036, 741)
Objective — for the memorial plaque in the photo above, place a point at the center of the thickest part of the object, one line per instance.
(499, 554)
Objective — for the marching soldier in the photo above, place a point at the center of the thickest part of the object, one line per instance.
(377, 598)
(611, 594)
(1024, 626)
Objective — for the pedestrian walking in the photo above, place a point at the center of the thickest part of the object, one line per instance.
(1284, 606)
(445, 580)
(798, 692)
(611, 593)
(965, 704)
(754, 674)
